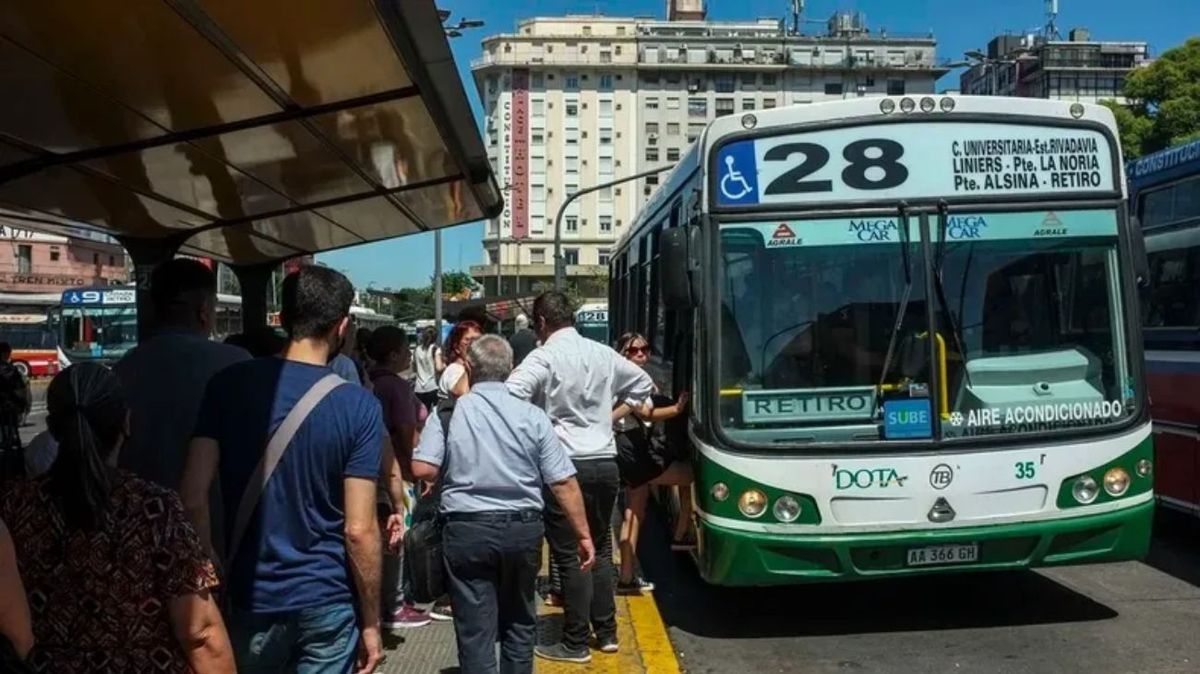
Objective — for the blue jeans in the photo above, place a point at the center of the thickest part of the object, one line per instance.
(320, 640)
(492, 562)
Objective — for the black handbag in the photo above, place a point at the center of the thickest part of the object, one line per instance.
(423, 541)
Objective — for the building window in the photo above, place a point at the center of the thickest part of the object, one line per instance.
(537, 193)
(606, 109)
(697, 107)
(493, 256)
(537, 138)
(747, 104)
(25, 259)
(869, 81)
(54, 254)
(606, 81)
(651, 127)
(672, 102)
(572, 224)
(587, 30)
(572, 164)
(724, 107)
(572, 81)
(605, 223)
(571, 256)
(605, 165)
(112, 261)
(652, 180)
(672, 128)
(749, 79)
(672, 154)
(768, 79)
(537, 256)
(605, 136)
(537, 81)
(572, 109)
(726, 84)
(768, 103)
(651, 154)
(603, 256)
(895, 87)
(606, 194)
(694, 131)
(833, 88)
(652, 102)
(606, 57)
(537, 107)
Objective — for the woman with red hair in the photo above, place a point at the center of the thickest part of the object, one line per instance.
(453, 383)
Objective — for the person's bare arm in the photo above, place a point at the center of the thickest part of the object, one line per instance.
(198, 474)
(570, 499)
(196, 622)
(426, 472)
(620, 411)
(15, 623)
(462, 387)
(667, 412)
(365, 549)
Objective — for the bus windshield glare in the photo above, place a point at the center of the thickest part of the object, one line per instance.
(825, 326)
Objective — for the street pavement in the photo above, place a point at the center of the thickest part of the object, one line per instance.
(1123, 617)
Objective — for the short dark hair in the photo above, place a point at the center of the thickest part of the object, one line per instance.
(554, 309)
(314, 300)
(181, 284)
(385, 341)
(5, 349)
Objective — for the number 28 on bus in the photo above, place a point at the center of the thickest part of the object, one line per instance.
(908, 326)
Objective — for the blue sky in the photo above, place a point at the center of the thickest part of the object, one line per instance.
(958, 25)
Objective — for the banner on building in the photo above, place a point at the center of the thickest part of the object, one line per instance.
(518, 149)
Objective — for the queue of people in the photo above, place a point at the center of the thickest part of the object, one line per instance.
(243, 506)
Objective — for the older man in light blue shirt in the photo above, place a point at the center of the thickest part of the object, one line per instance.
(499, 453)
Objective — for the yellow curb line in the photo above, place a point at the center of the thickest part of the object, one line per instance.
(658, 656)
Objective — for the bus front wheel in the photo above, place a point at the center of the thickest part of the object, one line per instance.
(22, 367)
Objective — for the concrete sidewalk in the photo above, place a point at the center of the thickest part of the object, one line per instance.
(640, 630)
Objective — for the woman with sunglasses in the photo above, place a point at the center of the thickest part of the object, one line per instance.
(644, 460)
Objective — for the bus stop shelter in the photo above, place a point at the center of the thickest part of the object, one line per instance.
(245, 132)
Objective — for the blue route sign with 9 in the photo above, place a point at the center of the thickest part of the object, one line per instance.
(737, 175)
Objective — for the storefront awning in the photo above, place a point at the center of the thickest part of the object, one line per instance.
(248, 132)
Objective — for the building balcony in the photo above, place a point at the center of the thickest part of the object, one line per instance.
(517, 60)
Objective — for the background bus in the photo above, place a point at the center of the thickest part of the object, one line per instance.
(35, 348)
(1165, 198)
(591, 320)
(909, 327)
(100, 323)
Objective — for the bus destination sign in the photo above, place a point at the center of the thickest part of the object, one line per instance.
(856, 403)
(99, 297)
(918, 160)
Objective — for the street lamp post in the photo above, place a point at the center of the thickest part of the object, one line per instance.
(560, 268)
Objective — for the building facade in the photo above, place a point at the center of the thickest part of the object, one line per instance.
(34, 264)
(1076, 69)
(577, 101)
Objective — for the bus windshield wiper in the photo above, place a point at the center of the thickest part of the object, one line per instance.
(903, 307)
(939, 287)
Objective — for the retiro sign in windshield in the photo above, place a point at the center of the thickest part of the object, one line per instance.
(913, 161)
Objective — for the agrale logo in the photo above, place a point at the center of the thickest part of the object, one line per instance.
(784, 236)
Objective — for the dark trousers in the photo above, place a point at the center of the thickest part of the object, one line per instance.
(492, 563)
(588, 596)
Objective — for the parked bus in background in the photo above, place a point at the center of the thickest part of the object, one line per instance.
(369, 318)
(591, 320)
(910, 330)
(35, 348)
(1164, 196)
(100, 323)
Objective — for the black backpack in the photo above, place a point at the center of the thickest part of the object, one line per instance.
(423, 542)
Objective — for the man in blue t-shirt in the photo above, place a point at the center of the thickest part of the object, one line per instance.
(304, 582)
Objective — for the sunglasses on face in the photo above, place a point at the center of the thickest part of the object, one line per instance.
(635, 350)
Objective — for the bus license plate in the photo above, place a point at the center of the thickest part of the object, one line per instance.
(943, 554)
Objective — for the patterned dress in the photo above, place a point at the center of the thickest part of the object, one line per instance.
(99, 599)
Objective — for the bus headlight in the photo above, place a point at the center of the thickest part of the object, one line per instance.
(928, 104)
(1116, 481)
(1077, 110)
(947, 104)
(752, 503)
(887, 106)
(749, 121)
(786, 509)
(720, 491)
(907, 104)
(1085, 490)
(1144, 467)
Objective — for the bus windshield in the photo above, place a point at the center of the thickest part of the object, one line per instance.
(825, 326)
(98, 333)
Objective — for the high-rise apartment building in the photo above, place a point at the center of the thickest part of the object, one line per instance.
(1075, 69)
(571, 102)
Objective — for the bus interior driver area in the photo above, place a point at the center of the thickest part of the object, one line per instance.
(825, 325)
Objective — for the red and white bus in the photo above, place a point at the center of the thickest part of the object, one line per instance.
(1164, 195)
(32, 337)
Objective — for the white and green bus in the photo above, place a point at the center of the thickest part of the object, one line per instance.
(910, 331)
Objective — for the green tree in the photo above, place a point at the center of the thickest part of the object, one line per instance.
(454, 282)
(1164, 100)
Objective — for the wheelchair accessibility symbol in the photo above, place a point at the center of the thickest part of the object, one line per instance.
(739, 176)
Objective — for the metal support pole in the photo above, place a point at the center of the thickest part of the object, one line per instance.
(499, 270)
(560, 269)
(255, 282)
(437, 282)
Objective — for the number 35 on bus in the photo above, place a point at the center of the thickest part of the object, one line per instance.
(909, 326)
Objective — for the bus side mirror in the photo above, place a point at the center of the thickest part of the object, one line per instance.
(679, 253)
(1141, 261)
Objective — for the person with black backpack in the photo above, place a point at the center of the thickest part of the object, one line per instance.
(492, 461)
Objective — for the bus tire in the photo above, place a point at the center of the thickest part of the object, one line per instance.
(22, 367)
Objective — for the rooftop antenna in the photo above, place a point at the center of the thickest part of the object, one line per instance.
(1052, 20)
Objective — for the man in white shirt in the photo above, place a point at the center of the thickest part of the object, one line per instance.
(578, 381)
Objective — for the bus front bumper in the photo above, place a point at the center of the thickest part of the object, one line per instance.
(738, 558)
